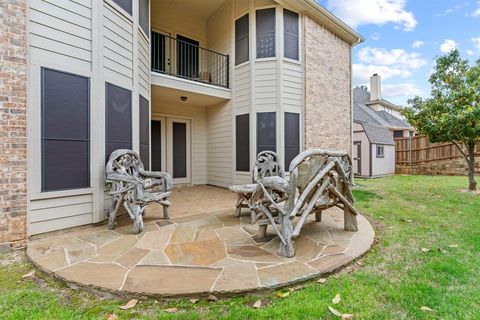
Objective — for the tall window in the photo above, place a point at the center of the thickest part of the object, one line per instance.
(125, 5)
(242, 142)
(118, 118)
(65, 131)
(241, 40)
(145, 132)
(290, 34)
(266, 33)
(291, 137)
(266, 132)
(144, 16)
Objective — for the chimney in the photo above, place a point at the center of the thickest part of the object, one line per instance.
(375, 87)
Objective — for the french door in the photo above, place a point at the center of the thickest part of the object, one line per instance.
(171, 150)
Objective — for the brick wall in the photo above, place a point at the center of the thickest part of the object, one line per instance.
(328, 91)
(13, 122)
(450, 167)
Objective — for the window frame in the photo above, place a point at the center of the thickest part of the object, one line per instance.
(42, 131)
(297, 35)
(275, 49)
(382, 153)
(247, 37)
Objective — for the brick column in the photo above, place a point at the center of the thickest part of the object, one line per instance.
(13, 123)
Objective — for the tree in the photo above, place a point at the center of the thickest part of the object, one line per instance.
(452, 112)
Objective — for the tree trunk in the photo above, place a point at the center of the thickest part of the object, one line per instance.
(472, 184)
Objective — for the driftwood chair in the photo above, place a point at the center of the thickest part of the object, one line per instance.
(319, 180)
(266, 165)
(134, 187)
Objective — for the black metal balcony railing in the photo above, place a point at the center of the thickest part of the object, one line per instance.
(184, 58)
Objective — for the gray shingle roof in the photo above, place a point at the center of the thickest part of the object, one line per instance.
(378, 134)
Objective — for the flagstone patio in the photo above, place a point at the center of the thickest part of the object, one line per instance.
(203, 248)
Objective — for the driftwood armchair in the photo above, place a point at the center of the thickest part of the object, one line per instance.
(266, 165)
(319, 180)
(134, 187)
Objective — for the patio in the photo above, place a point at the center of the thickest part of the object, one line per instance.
(203, 248)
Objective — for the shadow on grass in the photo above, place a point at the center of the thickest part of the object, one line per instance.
(365, 196)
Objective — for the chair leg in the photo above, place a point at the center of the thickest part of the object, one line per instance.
(262, 231)
(165, 212)
(288, 249)
(318, 215)
(138, 219)
(238, 209)
(350, 220)
(112, 213)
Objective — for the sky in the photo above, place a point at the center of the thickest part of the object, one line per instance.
(403, 37)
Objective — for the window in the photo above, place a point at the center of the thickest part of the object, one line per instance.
(118, 119)
(266, 132)
(125, 5)
(241, 40)
(65, 131)
(290, 34)
(144, 16)
(266, 33)
(291, 137)
(398, 134)
(242, 142)
(380, 151)
(145, 132)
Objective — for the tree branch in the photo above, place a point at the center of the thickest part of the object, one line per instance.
(460, 149)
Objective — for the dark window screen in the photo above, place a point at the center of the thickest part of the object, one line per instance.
(179, 150)
(187, 57)
(266, 33)
(266, 132)
(65, 131)
(292, 137)
(156, 145)
(145, 132)
(242, 137)
(144, 16)
(118, 117)
(125, 5)
(398, 134)
(241, 40)
(290, 28)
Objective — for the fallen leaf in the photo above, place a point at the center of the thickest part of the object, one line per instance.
(170, 310)
(112, 316)
(194, 300)
(283, 293)
(29, 274)
(322, 280)
(212, 298)
(381, 217)
(452, 245)
(347, 316)
(425, 250)
(426, 309)
(296, 288)
(129, 305)
(257, 304)
(334, 311)
(407, 220)
(337, 299)
(391, 227)
(442, 251)
(361, 263)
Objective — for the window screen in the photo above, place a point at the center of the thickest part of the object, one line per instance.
(266, 33)
(179, 152)
(118, 118)
(145, 132)
(144, 16)
(380, 151)
(266, 132)
(291, 137)
(242, 142)
(65, 131)
(241, 40)
(125, 5)
(156, 145)
(398, 134)
(290, 29)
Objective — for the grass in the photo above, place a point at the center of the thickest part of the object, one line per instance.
(397, 279)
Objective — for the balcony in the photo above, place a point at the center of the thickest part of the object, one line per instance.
(183, 58)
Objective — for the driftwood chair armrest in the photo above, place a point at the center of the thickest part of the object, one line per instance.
(162, 176)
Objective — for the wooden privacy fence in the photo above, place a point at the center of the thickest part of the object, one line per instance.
(416, 150)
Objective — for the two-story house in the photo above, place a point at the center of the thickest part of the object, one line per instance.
(198, 88)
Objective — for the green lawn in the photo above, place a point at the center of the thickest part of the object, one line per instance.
(397, 279)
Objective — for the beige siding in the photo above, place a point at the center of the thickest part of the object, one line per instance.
(292, 86)
(383, 166)
(143, 65)
(265, 87)
(242, 90)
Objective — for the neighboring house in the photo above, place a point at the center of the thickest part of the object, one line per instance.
(198, 88)
(376, 123)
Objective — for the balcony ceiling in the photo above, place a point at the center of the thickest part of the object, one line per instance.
(202, 8)
(170, 96)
